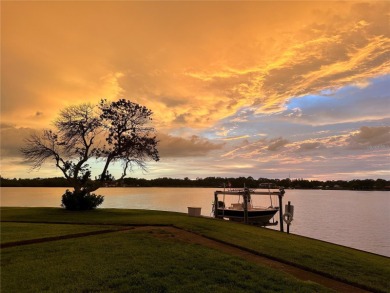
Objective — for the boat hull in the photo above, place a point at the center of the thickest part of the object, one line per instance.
(254, 216)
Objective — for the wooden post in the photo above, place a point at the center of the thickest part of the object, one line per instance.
(246, 197)
(215, 205)
(288, 224)
(290, 215)
(281, 193)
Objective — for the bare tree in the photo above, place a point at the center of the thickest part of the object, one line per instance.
(113, 132)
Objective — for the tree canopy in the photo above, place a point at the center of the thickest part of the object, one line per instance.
(111, 132)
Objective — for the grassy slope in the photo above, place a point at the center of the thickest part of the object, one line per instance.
(351, 265)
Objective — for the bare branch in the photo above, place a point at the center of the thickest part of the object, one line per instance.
(40, 148)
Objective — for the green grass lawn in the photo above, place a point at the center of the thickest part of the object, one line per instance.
(356, 267)
(136, 261)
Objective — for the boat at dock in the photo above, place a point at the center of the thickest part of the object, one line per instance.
(244, 209)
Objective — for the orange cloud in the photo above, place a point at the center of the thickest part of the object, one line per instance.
(194, 64)
(207, 62)
(172, 146)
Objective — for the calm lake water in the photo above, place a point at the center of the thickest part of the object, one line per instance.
(358, 219)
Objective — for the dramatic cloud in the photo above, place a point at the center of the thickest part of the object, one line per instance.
(188, 79)
(349, 104)
(371, 137)
(12, 139)
(277, 144)
(301, 76)
(308, 146)
(171, 146)
(329, 53)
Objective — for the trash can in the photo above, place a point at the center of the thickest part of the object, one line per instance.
(194, 211)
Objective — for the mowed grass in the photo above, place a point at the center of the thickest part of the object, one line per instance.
(136, 261)
(356, 267)
(13, 232)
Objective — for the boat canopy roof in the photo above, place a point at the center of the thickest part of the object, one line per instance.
(251, 191)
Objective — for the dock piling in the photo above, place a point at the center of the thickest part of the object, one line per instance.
(280, 196)
(246, 198)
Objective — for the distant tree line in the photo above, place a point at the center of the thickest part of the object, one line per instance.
(35, 182)
(216, 182)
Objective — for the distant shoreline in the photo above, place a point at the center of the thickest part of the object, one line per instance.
(215, 182)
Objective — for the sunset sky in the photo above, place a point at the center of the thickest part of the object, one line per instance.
(262, 89)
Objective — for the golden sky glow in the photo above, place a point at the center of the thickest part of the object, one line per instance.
(279, 86)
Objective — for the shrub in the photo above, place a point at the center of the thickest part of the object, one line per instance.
(79, 201)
